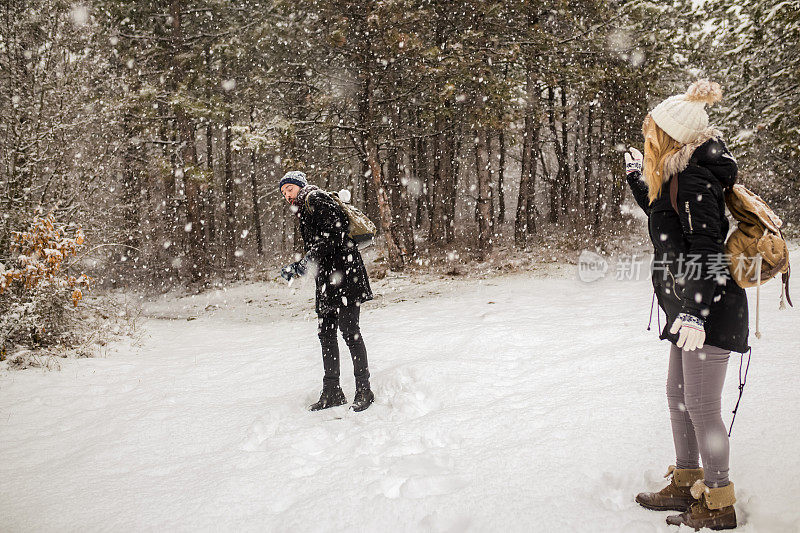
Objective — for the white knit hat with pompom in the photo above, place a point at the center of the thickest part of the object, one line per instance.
(683, 117)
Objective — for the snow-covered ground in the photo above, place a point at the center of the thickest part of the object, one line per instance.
(519, 402)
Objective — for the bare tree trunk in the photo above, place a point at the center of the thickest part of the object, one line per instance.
(131, 193)
(501, 171)
(587, 162)
(554, 184)
(211, 197)
(430, 181)
(422, 176)
(566, 177)
(171, 200)
(399, 202)
(209, 192)
(405, 177)
(371, 149)
(196, 242)
(395, 254)
(574, 198)
(436, 197)
(288, 153)
(406, 218)
(398, 198)
(287, 214)
(254, 188)
(484, 194)
(530, 207)
(413, 157)
(230, 200)
(598, 202)
(329, 166)
(455, 169)
(194, 215)
(370, 195)
(490, 168)
(616, 170)
(523, 200)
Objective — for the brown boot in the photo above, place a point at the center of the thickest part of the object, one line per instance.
(714, 509)
(677, 495)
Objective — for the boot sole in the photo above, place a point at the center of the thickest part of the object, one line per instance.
(713, 528)
(358, 410)
(326, 407)
(663, 508)
(362, 407)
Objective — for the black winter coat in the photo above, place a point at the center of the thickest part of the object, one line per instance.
(696, 233)
(341, 276)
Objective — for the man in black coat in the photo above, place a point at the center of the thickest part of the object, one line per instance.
(342, 285)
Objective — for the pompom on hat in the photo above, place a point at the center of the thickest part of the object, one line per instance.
(683, 117)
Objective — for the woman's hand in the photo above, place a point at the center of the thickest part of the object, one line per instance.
(633, 161)
(692, 333)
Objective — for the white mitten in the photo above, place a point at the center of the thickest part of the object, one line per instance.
(692, 333)
(633, 161)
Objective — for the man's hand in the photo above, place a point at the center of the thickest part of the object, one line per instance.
(293, 270)
(692, 333)
(633, 161)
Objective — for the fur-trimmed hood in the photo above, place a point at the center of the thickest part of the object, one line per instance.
(677, 162)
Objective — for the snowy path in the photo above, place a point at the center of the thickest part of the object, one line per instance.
(508, 404)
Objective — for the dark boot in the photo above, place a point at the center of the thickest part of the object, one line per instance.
(331, 396)
(677, 495)
(363, 399)
(714, 509)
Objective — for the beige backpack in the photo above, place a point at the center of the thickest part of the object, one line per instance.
(756, 248)
(362, 229)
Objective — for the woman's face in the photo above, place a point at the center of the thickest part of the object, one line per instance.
(289, 191)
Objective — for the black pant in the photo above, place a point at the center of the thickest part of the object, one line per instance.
(346, 318)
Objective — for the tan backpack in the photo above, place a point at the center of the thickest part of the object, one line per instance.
(756, 242)
(756, 248)
(362, 229)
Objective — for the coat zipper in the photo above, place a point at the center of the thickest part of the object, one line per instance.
(689, 213)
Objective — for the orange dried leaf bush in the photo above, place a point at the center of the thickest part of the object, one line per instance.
(41, 255)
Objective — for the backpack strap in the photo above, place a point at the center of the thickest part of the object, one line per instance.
(308, 199)
(785, 288)
(333, 196)
(673, 192)
(774, 271)
(785, 279)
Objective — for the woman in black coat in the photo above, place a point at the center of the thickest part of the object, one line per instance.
(342, 285)
(687, 168)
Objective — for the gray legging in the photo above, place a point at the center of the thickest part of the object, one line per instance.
(694, 392)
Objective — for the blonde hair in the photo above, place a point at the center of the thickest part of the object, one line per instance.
(658, 146)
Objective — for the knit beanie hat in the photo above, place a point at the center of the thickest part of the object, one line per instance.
(294, 177)
(683, 117)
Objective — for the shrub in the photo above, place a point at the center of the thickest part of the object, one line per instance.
(37, 291)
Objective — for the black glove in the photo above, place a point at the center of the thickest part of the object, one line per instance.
(293, 270)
